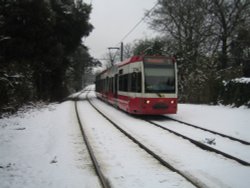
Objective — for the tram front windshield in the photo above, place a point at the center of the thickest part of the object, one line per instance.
(159, 75)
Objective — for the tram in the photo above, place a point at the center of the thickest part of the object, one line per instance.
(140, 85)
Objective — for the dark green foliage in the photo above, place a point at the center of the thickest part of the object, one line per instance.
(15, 87)
(235, 93)
(80, 62)
(37, 41)
(28, 29)
(240, 50)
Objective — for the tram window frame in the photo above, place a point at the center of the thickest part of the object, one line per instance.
(123, 82)
(136, 82)
(103, 85)
(120, 82)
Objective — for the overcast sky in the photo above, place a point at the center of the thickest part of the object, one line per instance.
(112, 20)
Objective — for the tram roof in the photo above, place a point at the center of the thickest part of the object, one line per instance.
(132, 59)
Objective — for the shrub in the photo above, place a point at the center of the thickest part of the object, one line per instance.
(236, 92)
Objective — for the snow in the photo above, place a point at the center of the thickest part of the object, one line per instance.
(43, 147)
(243, 80)
(125, 164)
(4, 38)
(224, 119)
(211, 169)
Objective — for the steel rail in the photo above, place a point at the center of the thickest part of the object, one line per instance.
(192, 180)
(102, 178)
(211, 131)
(200, 144)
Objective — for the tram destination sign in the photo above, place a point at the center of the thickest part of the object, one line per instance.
(158, 60)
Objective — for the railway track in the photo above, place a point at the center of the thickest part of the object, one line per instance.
(192, 180)
(103, 180)
(195, 181)
(207, 130)
(200, 144)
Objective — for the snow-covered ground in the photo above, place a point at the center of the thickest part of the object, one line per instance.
(227, 120)
(43, 147)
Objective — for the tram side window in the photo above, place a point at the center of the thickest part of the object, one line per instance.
(135, 79)
(111, 84)
(106, 84)
(123, 82)
(102, 85)
(120, 83)
(125, 79)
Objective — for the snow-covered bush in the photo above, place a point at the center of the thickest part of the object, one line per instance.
(236, 92)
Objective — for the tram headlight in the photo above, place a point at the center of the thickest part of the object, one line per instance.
(147, 101)
(172, 101)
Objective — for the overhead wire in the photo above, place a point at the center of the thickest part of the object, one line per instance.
(138, 23)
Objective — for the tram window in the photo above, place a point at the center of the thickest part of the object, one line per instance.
(107, 85)
(135, 78)
(111, 85)
(103, 85)
(125, 79)
(138, 82)
(123, 82)
(133, 81)
(120, 83)
(116, 78)
(159, 78)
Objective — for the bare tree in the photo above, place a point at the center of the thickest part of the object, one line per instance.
(228, 16)
(128, 50)
(188, 27)
(187, 22)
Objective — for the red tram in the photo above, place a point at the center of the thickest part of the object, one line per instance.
(141, 85)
